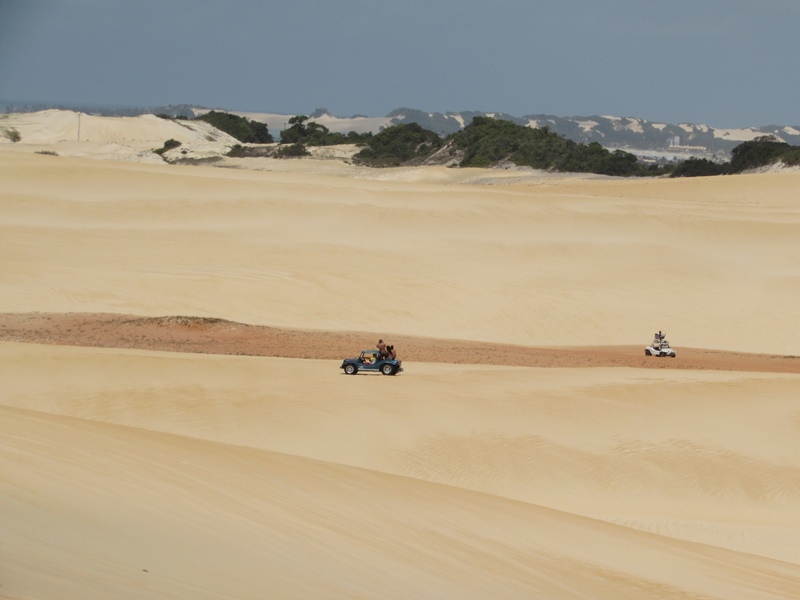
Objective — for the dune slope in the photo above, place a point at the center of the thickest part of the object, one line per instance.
(183, 518)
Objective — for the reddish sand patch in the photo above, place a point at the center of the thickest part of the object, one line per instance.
(217, 336)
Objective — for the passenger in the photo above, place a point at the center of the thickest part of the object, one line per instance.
(382, 350)
(392, 353)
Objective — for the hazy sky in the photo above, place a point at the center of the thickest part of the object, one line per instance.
(725, 63)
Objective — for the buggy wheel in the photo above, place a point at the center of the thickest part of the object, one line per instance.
(350, 369)
(387, 370)
(646, 352)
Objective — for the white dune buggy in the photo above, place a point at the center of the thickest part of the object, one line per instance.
(659, 347)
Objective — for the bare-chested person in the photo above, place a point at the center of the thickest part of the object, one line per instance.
(382, 349)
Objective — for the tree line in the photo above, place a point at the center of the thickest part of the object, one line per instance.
(487, 142)
(760, 152)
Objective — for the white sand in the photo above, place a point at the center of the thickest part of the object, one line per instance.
(131, 474)
(68, 133)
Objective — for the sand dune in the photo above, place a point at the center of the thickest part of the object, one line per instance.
(568, 263)
(605, 443)
(69, 133)
(133, 473)
(184, 518)
(227, 476)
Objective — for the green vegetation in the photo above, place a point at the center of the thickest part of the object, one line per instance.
(486, 142)
(239, 151)
(11, 133)
(168, 145)
(292, 151)
(399, 144)
(300, 133)
(760, 152)
(244, 130)
(311, 133)
(698, 167)
(282, 151)
(791, 158)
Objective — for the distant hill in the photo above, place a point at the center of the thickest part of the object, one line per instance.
(633, 134)
(639, 136)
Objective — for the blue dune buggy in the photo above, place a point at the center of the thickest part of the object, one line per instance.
(370, 361)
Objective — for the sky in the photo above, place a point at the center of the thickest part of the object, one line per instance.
(723, 63)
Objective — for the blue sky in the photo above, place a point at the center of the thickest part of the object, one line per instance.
(725, 63)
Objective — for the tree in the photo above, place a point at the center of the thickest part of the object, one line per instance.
(244, 130)
(698, 167)
(759, 152)
(398, 144)
(292, 151)
(168, 145)
(297, 132)
(487, 141)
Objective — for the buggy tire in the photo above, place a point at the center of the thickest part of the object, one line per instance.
(350, 369)
(646, 352)
(387, 370)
